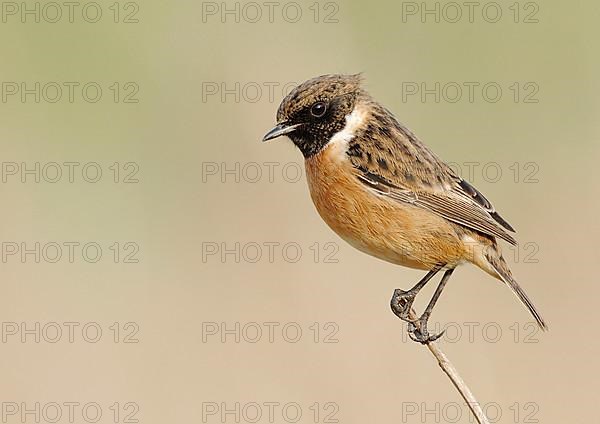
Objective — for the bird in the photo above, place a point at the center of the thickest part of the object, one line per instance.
(382, 190)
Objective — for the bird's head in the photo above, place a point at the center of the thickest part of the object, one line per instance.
(316, 110)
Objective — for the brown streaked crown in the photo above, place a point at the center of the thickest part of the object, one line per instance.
(319, 107)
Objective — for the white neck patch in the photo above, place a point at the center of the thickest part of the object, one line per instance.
(339, 142)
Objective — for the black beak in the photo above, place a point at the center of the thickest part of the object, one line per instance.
(279, 130)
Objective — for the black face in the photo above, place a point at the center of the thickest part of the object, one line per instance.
(315, 110)
(318, 122)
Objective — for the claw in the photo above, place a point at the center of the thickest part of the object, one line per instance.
(401, 303)
(422, 335)
(418, 337)
(436, 336)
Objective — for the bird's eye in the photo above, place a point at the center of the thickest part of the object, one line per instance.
(318, 109)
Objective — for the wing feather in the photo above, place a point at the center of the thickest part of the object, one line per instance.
(450, 206)
(393, 162)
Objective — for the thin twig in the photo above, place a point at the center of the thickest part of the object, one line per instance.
(454, 376)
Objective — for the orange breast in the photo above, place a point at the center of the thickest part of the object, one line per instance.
(395, 232)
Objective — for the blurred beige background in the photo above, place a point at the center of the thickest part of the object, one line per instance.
(180, 301)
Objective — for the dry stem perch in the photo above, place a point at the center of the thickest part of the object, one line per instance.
(453, 375)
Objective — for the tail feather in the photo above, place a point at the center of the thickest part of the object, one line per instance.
(497, 262)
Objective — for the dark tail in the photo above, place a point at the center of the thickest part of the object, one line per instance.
(496, 260)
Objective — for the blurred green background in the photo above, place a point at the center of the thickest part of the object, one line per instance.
(192, 105)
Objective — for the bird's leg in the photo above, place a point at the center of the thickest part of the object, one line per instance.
(402, 300)
(421, 334)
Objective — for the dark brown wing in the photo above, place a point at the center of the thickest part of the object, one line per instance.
(449, 205)
(391, 161)
(466, 187)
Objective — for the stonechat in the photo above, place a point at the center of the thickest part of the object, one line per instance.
(387, 194)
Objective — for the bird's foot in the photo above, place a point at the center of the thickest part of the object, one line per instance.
(401, 303)
(420, 333)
